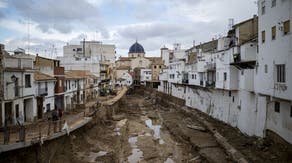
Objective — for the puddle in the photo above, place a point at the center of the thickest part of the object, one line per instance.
(91, 157)
(137, 154)
(169, 160)
(156, 129)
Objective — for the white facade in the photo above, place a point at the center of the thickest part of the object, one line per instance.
(89, 55)
(272, 82)
(46, 89)
(19, 99)
(91, 64)
(125, 80)
(88, 49)
(74, 89)
(146, 75)
(253, 83)
(175, 71)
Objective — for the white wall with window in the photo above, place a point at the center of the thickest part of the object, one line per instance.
(273, 77)
(146, 75)
(274, 57)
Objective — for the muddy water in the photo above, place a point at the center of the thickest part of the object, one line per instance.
(92, 156)
(137, 154)
(156, 129)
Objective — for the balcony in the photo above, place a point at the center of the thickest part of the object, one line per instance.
(185, 79)
(245, 56)
(210, 84)
(210, 66)
(42, 91)
(242, 64)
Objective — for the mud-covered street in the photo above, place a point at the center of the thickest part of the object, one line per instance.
(143, 132)
(147, 127)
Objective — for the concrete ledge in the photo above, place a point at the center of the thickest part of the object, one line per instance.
(19, 145)
(235, 154)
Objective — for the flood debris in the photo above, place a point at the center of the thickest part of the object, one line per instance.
(197, 128)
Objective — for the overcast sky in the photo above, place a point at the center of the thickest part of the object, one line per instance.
(50, 24)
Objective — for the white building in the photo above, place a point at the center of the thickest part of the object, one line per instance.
(44, 92)
(18, 90)
(125, 80)
(273, 79)
(88, 56)
(146, 75)
(224, 80)
(74, 89)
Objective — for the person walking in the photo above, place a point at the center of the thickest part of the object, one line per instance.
(60, 113)
(55, 118)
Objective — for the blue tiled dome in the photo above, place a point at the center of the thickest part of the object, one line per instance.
(136, 48)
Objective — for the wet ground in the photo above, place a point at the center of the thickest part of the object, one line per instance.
(143, 132)
(140, 131)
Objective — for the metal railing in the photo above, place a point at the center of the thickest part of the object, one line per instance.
(33, 132)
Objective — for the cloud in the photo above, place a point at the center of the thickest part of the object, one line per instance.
(43, 47)
(154, 23)
(60, 15)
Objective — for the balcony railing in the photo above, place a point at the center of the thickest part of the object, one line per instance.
(42, 91)
(210, 66)
(210, 83)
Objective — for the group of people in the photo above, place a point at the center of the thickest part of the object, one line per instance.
(57, 114)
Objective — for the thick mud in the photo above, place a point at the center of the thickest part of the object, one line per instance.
(135, 129)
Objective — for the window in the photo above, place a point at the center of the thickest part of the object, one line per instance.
(242, 72)
(286, 27)
(274, 33)
(79, 49)
(48, 107)
(155, 67)
(46, 86)
(290, 111)
(281, 73)
(263, 7)
(17, 110)
(263, 36)
(266, 68)
(277, 107)
(69, 84)
(193, 76)
(225, 76)
(274, 3)
(27, 81)
(160, 67)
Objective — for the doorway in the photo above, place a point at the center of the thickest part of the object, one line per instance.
(8, 114)
(28, 110)
(40, 102)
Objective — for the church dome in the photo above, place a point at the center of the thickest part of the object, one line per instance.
(136, 48)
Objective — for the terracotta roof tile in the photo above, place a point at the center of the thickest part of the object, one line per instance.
(39, 76)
